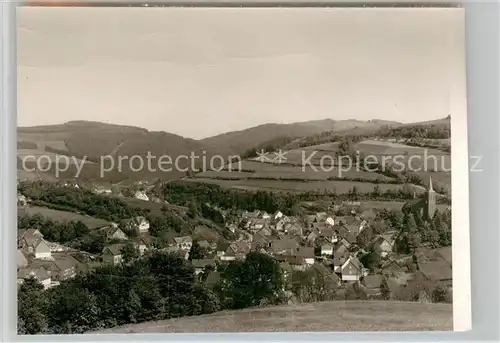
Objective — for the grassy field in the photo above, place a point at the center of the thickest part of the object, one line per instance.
(324, 316)
(414, 157)
(340, 187)
(290, 175)
(62, 216)
(259, 170)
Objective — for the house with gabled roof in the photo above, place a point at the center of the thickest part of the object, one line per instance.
(341, 246)
(278, 215)
(238, 249)
(61, 267)
(143, 243)
(31, 241)
(251, 215)
(265, 215)
(296, 263)
(352, 269)
(330, 220)
(307, 253)
(284, 246)
(139, 224)
(257, 224)
(227, 251)
(321, 216)
(383, 245)
(112, 254)
(221, 249)
(312, 236)
(293, 229)
(113, 232)
(39, 273)
(102, 190)
(390, 266)
(232, 227)
(327, 249)
(280, 224)
(265, 231)
(21, 200)
(329, 234)
(260, 241)
(183, 242)
(339, 260)
(141, 196)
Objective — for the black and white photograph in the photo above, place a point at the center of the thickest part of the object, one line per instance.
(211, 170)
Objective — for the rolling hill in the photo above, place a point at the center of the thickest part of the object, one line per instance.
(94, 139)
(238, 142)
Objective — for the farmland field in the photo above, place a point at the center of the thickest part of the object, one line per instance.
(259, 170)
(321, 316)
(414, 157)
(293, 173)
(62, 216)
(340, 187)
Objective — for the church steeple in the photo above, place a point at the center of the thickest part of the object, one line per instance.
(430, 184)
(430, 201)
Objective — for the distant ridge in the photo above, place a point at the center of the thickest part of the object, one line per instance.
(239, 141)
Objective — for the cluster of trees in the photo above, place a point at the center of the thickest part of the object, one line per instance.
(78, 200)
(61, 232)
(256, 281)
(330, 137)
(158, 286)
(159, 225)
(74, 234)
(414, 230)
(182, 193)
(416, 131)
(314, 284)
(420, 288)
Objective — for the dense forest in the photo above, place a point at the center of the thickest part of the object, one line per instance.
(78, 200)
(158, 286)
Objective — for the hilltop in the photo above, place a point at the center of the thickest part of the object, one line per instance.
(322, 316)
(92, 140)
(240, 141)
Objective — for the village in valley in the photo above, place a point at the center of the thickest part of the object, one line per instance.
(350, 248)
(272, 232)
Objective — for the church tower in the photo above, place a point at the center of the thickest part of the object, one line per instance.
(430, 201)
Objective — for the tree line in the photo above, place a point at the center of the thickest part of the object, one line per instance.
(78, 200)
(156, 287)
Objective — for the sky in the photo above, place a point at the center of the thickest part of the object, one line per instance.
(198, 72)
